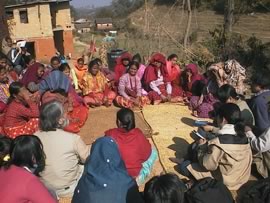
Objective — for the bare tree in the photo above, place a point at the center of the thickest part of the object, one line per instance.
(188, 24)
(3, 22)
(228, 16)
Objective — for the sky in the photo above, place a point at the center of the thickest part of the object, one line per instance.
(96, 3)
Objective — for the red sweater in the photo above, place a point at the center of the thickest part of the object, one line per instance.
(133, 146)
(119, 70)
(17, 114)
(20, 186)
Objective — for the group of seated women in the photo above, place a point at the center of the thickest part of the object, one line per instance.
(54, 163)
(45, 108)
(131, 85)
(77, 87)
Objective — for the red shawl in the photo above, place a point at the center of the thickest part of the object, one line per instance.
(193, 68)
(120, 69)
(31, 75)
(133, 146)
(151, 72)
(174, 72)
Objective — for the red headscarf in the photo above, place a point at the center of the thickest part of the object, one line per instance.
(120, 69)
(31, 74)
(151, 72)
(125, 55)
(193, 68)
(174, 71)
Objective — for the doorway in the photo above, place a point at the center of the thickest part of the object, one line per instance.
(59, 41)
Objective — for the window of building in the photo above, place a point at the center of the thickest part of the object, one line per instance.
(23, 16)
(9, 15)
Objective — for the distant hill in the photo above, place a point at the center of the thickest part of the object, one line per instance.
(174, 19)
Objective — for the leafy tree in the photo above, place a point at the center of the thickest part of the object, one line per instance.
(167, 2)
(12, 2)
(73, 12)
(104, 12)
(122, 8)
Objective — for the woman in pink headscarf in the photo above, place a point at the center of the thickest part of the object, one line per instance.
(33, 76)
(157, 83)
(191, 75)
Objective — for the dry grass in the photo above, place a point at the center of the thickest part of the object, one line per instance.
(174, 21)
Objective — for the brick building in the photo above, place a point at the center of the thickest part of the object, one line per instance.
(104, 24)
(44, 24)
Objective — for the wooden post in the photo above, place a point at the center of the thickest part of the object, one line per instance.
(188, 24)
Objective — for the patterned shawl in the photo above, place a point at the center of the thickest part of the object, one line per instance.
(93, 84)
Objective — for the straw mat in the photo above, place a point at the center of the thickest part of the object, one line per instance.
(65, 200)
(101, 119)
(171, 124)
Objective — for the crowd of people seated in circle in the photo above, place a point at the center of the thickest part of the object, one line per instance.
(43, 107)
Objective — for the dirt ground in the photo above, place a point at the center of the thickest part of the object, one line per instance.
(167, 127)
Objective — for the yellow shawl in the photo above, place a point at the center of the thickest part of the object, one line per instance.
(93, 84)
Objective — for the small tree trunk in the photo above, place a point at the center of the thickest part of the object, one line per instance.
(228, 17)
(3, 23)
(228, 23)
(188, 24)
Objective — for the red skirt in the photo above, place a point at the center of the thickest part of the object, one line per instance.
(97, 99)
(28, 128)
(77, 119)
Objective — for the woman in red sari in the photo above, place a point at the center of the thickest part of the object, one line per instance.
(157, 82)
(190, 76)
(33, 76)
(95, 87)
(173, 69)
(122, 64)
(57, 86)
(22, 112)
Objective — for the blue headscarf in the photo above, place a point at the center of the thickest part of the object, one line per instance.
(56, 80)
(105, 178)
